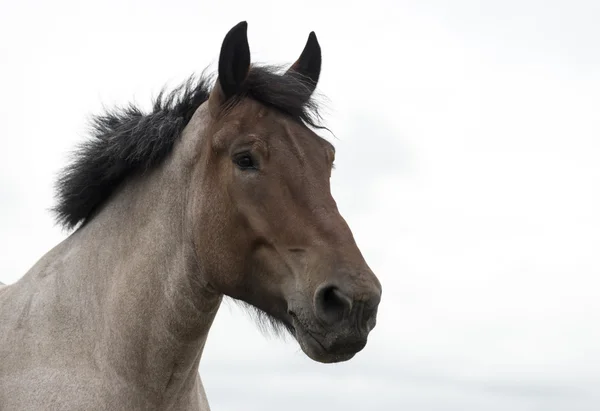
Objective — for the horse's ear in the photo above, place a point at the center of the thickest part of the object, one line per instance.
(309, 63)
(234, 63)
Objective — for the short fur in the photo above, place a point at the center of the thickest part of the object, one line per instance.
(127, 141)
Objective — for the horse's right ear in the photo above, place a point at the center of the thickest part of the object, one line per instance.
(309, 63)
(234, 65)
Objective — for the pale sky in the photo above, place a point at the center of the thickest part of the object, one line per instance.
(468, 167)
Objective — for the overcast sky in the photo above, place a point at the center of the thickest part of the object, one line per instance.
(468, 167)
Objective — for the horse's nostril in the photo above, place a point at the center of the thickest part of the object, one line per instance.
(331, 304)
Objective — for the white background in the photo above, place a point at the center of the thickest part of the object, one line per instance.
(468, 166)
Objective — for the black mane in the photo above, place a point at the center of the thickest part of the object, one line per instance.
(126, 141)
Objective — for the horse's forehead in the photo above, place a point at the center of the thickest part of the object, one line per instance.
(275, 129)
(291, 138)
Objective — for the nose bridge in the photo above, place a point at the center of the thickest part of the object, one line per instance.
(332, 228)
(336, 244)
(335, 254)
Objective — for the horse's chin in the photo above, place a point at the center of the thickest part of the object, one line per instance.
(315, 350)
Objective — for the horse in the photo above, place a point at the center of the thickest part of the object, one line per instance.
(221, 189)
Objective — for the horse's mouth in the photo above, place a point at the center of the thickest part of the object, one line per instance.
(315, 348)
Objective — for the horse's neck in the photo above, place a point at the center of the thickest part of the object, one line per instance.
(132, 277)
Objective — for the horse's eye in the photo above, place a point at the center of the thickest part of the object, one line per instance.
(244, 161)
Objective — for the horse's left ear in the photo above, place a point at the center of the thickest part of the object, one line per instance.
(234, 65)
(309, 63)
